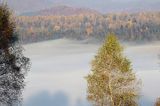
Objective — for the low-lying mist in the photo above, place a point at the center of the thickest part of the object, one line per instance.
(59, 67)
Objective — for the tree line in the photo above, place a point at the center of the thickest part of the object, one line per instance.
(144, 26)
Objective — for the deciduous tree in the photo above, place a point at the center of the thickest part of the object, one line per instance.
(13, 65)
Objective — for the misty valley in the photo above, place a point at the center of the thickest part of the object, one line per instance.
(75, 56)
(79, 53)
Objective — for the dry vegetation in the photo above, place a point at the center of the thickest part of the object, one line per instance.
(130, 27)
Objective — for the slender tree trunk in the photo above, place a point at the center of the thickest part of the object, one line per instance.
(109, 85)
(110, 91)
(102, 103)
(119, 103)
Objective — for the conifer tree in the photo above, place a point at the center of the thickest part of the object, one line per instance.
(13, 65)
(112, 81)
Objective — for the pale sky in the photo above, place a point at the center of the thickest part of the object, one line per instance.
(104, 6)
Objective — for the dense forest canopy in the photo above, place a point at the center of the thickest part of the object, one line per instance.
(143, 26)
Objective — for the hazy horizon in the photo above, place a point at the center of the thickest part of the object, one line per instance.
(103, 6)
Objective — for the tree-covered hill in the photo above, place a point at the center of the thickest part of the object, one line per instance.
(142, 26)
(61, 10)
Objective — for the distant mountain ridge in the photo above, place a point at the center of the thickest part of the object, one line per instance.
(104, 6)
(61, 10)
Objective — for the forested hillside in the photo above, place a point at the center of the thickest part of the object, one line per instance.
(104, 6)
(144, 26)
(61, 10)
